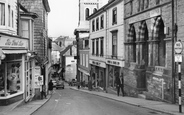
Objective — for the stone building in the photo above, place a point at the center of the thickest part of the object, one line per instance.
(148, 46)
(42, 44)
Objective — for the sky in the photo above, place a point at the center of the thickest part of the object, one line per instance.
(63, 17)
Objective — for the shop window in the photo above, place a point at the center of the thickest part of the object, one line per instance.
(86, 42)
(93, 47)
(102, 22)
(97, 47)
(93, 25)
(114, 16)
(2, 14)
(87, 13)
(101, 47)
(114, 44)
(97, 24)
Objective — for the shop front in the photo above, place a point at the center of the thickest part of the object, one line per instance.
(114, 70)
(12, 66)
(97, 74)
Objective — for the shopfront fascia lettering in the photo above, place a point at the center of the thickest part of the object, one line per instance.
(96, 63)
(13, 42)
(115, 63)
(146, 15)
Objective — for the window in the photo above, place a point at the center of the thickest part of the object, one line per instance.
(93, 25)
(25, 28)
(102, 22)
(114, 16)
(114, 43)
(87, 13)
(2, 14)
(93, 47)
(97, 24)
(86, 60)
(142, 5)
(94, 10)
(131, 7)
(9, 15)
(101, 47)
(80, 59)
(146, 4)
(86, 43)
(12, 19)
(138, 5)
(97, 47)
(157, 2)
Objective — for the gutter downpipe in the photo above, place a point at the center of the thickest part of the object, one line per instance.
(173, 62)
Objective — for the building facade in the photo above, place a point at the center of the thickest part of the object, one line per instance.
(16, 76)
(107, 44)
(148, 36)
(42, 43)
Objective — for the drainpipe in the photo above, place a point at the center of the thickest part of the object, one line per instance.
(173, 62)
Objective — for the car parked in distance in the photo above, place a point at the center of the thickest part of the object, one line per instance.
(54, 83)
(60, 84)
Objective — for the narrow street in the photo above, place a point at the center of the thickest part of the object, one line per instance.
(71, 102)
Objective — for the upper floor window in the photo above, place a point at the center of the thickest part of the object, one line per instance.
(2, 14)
(87, 12)
(97, 24)
(86, 43)
(25, 28)
(131, 7)
(114, 16)
(142, 5)
(9, 15)
(93, 25)
(102, 22)
(12, 20)
(114, 43)
(146, 4)
(97, 47)
(93, 47)
(94, 10)
(157, 2)
(101, 46)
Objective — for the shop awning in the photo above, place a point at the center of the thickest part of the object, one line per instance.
(14, 51)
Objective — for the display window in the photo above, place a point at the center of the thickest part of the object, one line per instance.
(10, 77)
(112, 76)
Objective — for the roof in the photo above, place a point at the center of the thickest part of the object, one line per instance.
(55, 47)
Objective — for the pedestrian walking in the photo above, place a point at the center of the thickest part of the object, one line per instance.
(50, 87)
(120, 84)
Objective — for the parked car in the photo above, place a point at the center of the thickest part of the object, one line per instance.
(54, 83)
(60, 84)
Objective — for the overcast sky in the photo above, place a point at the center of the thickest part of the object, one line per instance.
(64, 17)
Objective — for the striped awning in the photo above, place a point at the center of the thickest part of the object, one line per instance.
(131, 33)
(156, 28)
(142, 31)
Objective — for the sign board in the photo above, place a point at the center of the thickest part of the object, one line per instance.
(178, 57)
(178, 47)
(37, 73)
(40, 79)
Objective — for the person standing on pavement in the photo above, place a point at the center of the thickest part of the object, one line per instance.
(50, 87)
(120, 84)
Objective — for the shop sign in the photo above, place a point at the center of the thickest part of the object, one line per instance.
(100, 64)
(36, 77)
(114, 62)
(144, 16)
(6, 41)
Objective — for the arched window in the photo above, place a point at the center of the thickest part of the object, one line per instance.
(94, 10)
(87, 12)
(132, 45)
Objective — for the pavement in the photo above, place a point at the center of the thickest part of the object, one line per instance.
(29, 108)
(21, 108)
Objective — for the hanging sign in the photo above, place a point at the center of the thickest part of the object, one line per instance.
(178, 47)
